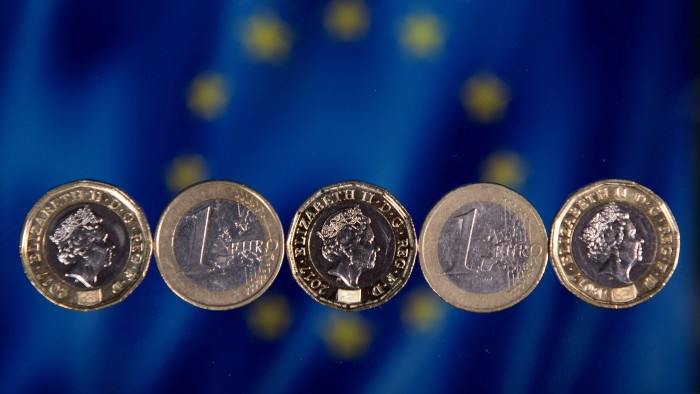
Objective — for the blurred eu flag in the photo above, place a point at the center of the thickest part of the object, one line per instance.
(418, 97)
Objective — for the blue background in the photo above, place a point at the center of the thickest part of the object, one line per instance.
(418, 97)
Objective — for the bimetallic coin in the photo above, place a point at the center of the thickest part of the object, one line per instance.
(219, 245)
(614, 243)
(85, 245)
(351, 246)
(483, 247)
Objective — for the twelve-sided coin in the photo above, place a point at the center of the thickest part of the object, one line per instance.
(85, 245)
(483, 247)
(351, 246)
(219, 245)
(614, 243)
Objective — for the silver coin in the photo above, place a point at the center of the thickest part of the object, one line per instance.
(483, 247)
(85, 245)
(219, 245)
(351, 246)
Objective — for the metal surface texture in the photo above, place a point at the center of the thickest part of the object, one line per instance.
(419, 98)
(85, 245)
(483, 247)
(614, 243)
(351, 246)
(219, 245)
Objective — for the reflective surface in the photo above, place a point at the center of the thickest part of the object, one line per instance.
(483, 247)
(88, 245)
(351, 246)
(85, 245)
(219, 245)
(614, 243)
(544, 98)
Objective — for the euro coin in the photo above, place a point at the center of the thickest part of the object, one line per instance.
(614, 243)
(219, 245)
(351, 246)
(483, 247)
(85, 245)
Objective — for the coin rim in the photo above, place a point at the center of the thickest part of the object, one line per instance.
(430, 233)
(411, 234)
(554, 237)
(105, 187)
(182, 285)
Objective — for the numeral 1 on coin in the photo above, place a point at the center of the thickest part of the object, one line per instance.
(201, 224)
(466, 231)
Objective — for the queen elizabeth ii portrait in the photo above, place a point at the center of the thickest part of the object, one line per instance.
(612, 244)
(83, 247)
(348, 243)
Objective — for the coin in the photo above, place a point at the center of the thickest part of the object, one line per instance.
(351, 246)
(483, 247)
(614, 243)
(85, 245)
(219, 245)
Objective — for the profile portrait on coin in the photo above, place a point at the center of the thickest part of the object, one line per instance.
(83, 246)
(611, 242)
(348, 242)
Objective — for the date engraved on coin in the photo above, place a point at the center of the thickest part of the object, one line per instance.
(483, 247)
(219, 245)
(85, 245)
(614, 243)
(351, 246)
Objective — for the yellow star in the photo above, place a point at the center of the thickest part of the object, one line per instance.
(505, 168)
(347, 20)
(485, 97)
(267, 38)
(185, 171)
(347, 336)
(269, 317)
(422, 310)
(422, 34)
(208, 95)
